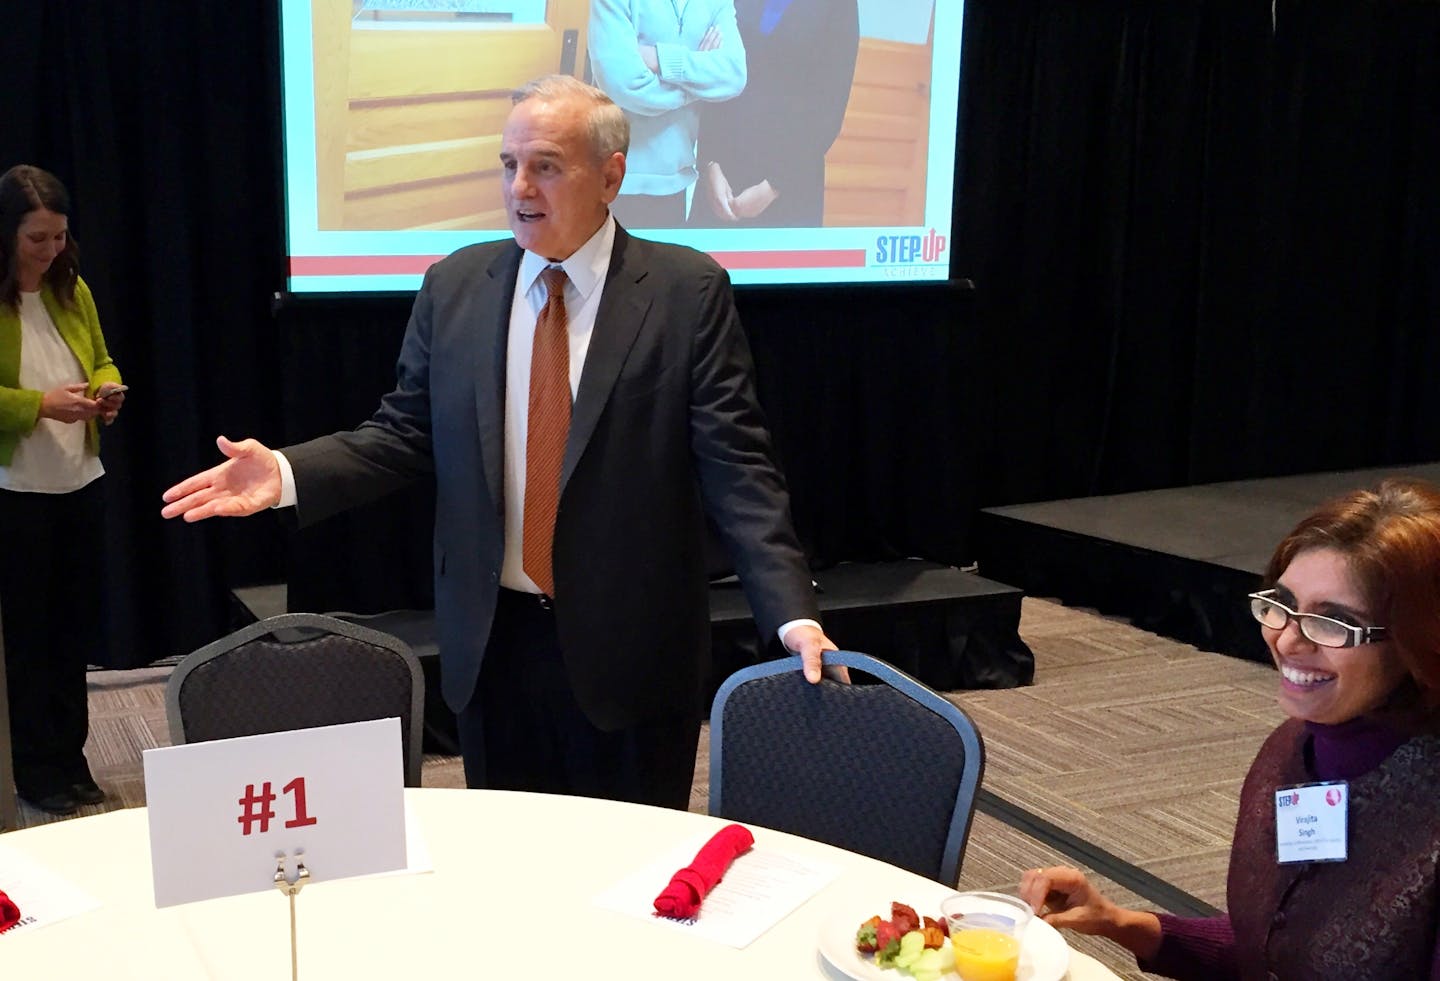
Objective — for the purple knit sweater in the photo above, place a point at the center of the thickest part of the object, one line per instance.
(1203, 949)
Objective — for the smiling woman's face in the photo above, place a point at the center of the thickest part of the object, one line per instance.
(1329, 684)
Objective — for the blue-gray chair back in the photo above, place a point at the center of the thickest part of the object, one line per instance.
(889, 770)
(297, 671)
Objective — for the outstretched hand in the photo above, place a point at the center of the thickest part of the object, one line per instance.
(811, 644)
(247, 482)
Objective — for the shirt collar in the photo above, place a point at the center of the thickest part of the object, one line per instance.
(586, 267)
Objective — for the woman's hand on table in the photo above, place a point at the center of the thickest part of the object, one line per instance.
(1064, 897)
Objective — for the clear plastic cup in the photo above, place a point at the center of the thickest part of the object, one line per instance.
(986, 933)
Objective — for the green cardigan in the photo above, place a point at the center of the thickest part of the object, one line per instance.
(80, 327)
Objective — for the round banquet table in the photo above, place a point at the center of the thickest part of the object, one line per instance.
(511, 896)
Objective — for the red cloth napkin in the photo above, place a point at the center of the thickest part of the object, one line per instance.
(9, 913)
(688, 887)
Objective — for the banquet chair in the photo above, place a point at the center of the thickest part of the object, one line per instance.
(297, 671)
(417, 629)
(889, 769)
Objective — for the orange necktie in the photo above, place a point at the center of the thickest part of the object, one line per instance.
(547, 427)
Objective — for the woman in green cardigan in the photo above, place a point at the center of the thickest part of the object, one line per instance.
(57, 383)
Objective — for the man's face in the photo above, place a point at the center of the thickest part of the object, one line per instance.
(556, 190)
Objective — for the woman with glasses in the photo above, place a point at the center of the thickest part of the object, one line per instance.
(1333, 869)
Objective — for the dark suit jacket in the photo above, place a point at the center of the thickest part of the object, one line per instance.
(665, 428)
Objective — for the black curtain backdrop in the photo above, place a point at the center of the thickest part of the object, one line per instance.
(162, 119)
(1202, 234)
(1205, 240)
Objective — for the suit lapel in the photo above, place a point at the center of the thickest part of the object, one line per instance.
(622, 311)
(495, 296)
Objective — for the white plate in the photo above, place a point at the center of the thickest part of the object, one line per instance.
(1044, 957)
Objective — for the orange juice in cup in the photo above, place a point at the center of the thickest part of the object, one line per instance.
(986, 932)
(985, 955)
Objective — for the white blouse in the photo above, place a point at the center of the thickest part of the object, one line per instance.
(52, 459)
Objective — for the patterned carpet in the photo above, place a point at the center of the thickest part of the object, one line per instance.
(1132, 742)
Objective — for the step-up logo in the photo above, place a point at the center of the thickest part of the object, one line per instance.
(893, 250)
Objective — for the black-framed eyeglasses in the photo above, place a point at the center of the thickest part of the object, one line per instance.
(1325, 631)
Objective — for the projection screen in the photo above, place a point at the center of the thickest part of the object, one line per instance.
(796, 141)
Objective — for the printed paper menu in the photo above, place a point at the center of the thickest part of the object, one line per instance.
(761, 888)
(43, 896)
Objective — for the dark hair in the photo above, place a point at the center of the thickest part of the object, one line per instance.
(1390, 537)
(24, 189)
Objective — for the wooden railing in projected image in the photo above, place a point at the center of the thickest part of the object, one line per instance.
(875, 170)
(408, 121)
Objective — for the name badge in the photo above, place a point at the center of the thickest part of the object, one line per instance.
(1311, 822)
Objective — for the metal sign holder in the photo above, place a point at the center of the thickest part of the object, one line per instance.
(291, 888)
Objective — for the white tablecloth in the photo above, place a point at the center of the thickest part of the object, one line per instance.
(511, 897)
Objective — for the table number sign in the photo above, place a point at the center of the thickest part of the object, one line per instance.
(221, 812)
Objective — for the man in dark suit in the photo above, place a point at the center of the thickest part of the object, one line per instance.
(570, 590)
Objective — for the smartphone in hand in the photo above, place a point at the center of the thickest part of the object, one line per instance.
(106, 391)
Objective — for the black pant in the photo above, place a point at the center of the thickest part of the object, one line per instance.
(523, 729)
(49, 603)
(650, 210)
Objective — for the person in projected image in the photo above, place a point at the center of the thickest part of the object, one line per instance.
(57, 383)
(659, 60)
(763, 153)
(1350, 610)
(583, 399)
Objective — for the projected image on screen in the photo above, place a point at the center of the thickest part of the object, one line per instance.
(794, 140)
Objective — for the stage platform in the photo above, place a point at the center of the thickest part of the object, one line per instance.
(1176, 562)
(948, 627)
